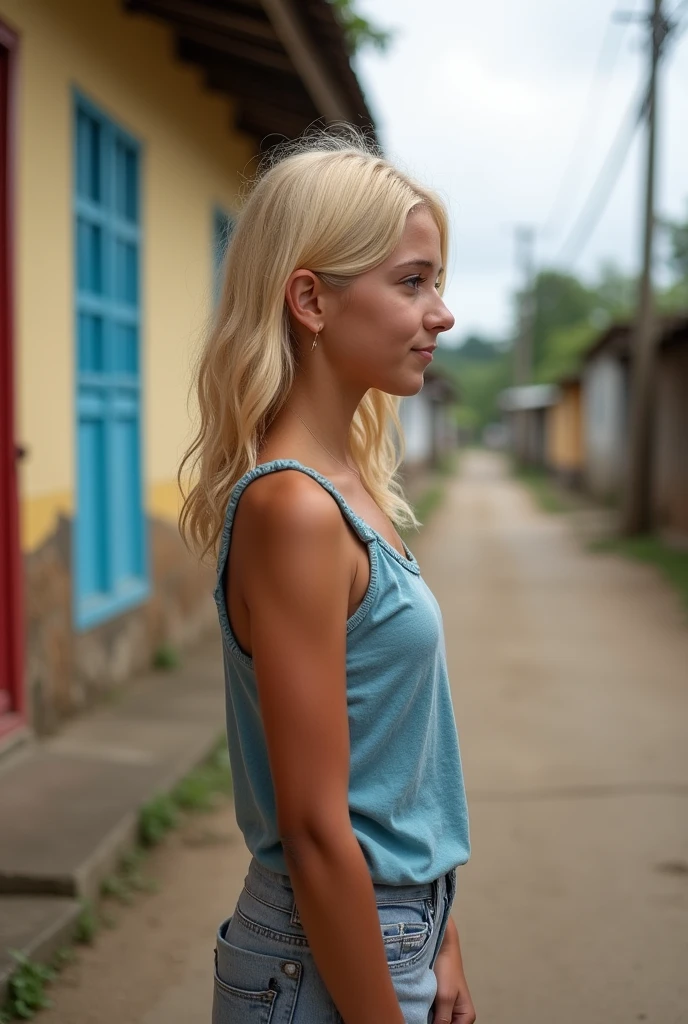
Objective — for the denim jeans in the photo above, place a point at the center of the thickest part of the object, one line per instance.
(265, 972)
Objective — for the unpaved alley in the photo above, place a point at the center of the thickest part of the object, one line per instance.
(570, 680)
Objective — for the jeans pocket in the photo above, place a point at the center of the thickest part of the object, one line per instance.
(407, 930)
(253, 987)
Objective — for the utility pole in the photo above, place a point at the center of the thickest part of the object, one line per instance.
(523, 349)
(636, 510)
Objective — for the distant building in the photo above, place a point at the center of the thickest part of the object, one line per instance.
(526, 410)
(607, 380)
(670, 478)
(565, 454)
(127, 127)
(430, 430)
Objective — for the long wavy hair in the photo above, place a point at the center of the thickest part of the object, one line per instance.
(331, 203)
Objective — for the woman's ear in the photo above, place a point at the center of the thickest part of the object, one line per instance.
(303, 296)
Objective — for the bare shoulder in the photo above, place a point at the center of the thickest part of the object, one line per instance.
(289, 509)
(296, 590)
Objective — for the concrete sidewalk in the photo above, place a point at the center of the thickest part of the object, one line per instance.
(69, 805)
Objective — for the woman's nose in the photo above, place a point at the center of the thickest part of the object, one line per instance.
(441, 319)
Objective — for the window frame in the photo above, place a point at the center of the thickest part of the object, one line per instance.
(122, 392)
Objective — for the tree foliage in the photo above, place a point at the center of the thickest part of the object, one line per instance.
(570, 313)
(676, 296)
(359, 31)
(678, 241)
(561, 301)
(482, 369)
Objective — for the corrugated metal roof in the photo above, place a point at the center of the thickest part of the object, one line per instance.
(529, 396)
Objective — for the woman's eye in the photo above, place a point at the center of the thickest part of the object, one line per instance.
(415, 281)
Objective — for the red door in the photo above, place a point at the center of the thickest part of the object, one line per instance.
(11, 610)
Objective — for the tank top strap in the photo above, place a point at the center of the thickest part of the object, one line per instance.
(364, 531)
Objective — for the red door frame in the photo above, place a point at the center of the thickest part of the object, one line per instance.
(11, 603)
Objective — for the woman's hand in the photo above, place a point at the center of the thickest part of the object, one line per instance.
(453, 1003)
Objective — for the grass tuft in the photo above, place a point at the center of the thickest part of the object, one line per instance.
(26, 988)
(167, 657)
(648, 548)
(544, 490)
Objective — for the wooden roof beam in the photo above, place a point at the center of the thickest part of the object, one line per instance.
(266, 119)
(189, 13)
(324, 92)
(257, 55)
(238, 80)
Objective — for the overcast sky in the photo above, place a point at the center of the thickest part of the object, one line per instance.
(485, 103)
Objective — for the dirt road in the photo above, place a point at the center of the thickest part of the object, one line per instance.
(570, 682)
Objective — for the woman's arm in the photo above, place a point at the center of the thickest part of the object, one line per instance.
(453, 1002)
(297, 594)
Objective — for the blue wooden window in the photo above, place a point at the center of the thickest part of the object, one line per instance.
(223, 224)
(110, 551)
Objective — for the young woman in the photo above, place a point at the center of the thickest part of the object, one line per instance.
(343, 747)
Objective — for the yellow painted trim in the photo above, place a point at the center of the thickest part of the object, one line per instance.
(164, 500)
(38, 517)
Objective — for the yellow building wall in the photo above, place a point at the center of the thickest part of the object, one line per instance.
(565, 437)
(191, 160)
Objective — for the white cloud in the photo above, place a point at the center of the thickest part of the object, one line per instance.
(484, 104)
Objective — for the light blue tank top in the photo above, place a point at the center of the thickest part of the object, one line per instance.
(407, 802)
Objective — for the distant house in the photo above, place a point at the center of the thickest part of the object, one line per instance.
(670, 477)
(126, 129)
(430, 430)
(527, 413)
(565, 455)
(607, 380)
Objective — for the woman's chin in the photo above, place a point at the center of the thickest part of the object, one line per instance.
(403, 384)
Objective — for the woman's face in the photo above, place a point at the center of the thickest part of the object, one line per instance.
(374, 328)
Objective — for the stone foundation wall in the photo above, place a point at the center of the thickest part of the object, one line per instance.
(67, 671)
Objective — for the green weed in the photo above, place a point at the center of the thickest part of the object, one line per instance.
(166, 657)
(26, 988)
(86, 924)
(672, 563)
(202, 787)
(156, 819)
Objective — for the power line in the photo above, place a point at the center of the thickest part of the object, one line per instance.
(599, 195)
(678, 23)
(611, 42)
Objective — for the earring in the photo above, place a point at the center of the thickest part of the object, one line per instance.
(315, 339)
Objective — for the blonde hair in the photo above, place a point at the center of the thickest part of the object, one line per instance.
(328, 202)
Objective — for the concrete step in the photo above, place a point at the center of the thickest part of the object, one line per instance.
(70, 805)
(34, 925)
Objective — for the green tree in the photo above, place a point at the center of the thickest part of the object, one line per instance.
(482, 369)
(359, 31)
(678, 241)
(478, 349)
(616, 294)
(561, 301)
(570, 314)
(565, 348)
(675, 297)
